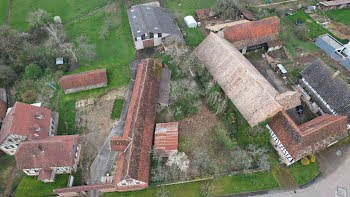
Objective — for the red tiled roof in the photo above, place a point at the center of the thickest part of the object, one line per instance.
(21, 120)
(135, 162)
(45, 174)
(53, 151)
(309, 137)
(83, 79)
(119, 143)
(166, 138)
(255, 32)
(3, 109)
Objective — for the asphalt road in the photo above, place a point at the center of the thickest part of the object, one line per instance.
(105, 158)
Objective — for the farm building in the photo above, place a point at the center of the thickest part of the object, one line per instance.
(255, 34)
(334, 5)
(166, 138)
(335, 49)
(249, 91)
(25, 122)
(150, 25)
(84, 81)
(329, 92)
(50, 156)
(135, 145)
(294, 142)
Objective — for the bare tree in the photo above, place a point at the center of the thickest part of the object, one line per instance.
(256, 151)
(202, 164)
(7, 75)
(206, 188)
(257, 130)
(264, 163)
(242, 158)
(84, 49)
(228, 8)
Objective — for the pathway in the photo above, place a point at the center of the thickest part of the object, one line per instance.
(105, 159)
(284, 178)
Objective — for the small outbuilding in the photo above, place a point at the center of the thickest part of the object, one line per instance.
(84, 81)
(166, 138)
(59, 61)
(334, 5)
(190, 22)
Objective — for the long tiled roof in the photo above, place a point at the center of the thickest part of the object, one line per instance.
(53, 151)
(332, 89)
(253, 33)
(83, 79)
(26, 120)
(311, 135)
(134, 162)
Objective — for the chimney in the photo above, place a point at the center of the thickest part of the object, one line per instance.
(336, 74)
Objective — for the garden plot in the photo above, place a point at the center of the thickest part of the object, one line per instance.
(93, 117)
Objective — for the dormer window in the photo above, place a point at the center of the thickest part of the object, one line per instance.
(38, 129)
(38, 116)
(36, 135)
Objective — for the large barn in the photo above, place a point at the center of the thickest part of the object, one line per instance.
(294, 142)
(254, 34)
(150, 25)
(251, 93)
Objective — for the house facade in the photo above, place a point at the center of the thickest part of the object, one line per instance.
(329, 93)
(84, 81)
(25, 122)
(150, 25)
(49, 156)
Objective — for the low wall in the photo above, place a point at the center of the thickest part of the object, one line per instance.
(84, 88)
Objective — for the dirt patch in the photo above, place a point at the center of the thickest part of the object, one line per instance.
(340, 30)
(112, 8)
(94, 116)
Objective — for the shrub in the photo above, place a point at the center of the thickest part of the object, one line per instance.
(33, 71)
(302, 32)
(223, 138)
(78, 177)
(227, 8)
(29, 96)
(244, 138)
(305, 161)
(312, 158)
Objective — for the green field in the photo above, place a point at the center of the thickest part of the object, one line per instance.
(114, 53)
(31, 187)
(3, 11)
(341, 16)
(221, 186)
(303, 174)
(188, 7)
(194, 37)
(66, 9)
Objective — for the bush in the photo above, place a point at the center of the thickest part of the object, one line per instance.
(33, 71)
(244, 138)
(302, 32)
(29, 96)
(223, 138)
(305, 161)
(312, 158)
(227, 8)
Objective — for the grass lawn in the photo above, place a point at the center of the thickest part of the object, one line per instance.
(194, 36)
(188, 7)
(30, 186)
(114, 53)
(3, 11)
(303, 174)
(341, 16)
(66, 9)
(223, 185)
(117, 108)
(6, 164)
(315, 29)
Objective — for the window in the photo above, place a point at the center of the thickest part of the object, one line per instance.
(159, 35)
(52, 122)
(6, 147)
(11, 146)
(143, 37)
(151, 35)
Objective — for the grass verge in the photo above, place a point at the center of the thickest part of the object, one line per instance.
(6, 164)
(30, 186)
(194, 36)
(117, 108)
(221, 186)
(341, 16)
(303, 174)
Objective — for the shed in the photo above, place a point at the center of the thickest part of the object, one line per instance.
(282, 69)
(166, 138)
(59, 61)
(190, 22)
(164, 87)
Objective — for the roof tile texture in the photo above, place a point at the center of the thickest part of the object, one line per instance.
(53, 151)
(83, 79)
(166, 138)
(23, 120)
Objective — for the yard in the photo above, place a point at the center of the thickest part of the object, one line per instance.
(341, 16)
(30, 186)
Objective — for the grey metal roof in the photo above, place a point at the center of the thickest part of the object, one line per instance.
(334, 90)
(145, 19)
(164, 87)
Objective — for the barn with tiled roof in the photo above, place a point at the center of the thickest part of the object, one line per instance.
(294, 142)
(84, 81)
